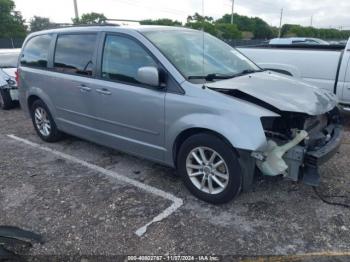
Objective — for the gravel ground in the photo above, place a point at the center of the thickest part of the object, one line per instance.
(79, 211)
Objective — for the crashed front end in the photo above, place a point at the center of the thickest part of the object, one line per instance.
(306, 131)
(297, 144)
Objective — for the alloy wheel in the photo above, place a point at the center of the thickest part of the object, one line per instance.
(42, 121)
(207, 170)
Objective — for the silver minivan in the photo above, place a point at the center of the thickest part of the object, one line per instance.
(179, 97)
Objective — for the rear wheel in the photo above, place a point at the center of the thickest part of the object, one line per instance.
(210, 169)
(5, 99)
(44, 123)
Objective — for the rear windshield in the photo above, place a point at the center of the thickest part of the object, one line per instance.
(8, 60)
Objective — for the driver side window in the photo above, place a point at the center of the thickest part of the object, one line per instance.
(122, 57)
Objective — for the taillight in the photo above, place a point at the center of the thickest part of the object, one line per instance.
(17, 77)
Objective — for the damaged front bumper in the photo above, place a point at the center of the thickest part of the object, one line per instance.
(298, 162)
(313, 159)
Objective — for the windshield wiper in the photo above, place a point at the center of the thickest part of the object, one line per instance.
(247, 71)
(211, 77)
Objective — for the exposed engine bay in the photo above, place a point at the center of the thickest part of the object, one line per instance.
(292, 140)
(297, 143)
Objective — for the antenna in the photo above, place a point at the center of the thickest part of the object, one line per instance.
(312, 20)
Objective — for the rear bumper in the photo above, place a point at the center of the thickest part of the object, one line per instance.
(14, 94)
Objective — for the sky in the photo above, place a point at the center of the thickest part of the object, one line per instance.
(325, 13)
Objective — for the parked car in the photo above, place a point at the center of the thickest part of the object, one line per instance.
(298, 41)
(156, 93)
(8, 84)
(325, 67)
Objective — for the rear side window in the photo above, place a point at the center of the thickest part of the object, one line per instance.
(74, 54)
(36, 51)
(122, 57)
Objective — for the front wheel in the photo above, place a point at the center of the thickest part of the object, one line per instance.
(210, 169)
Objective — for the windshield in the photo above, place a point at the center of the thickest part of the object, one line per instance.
(184, 49)
(8, 60)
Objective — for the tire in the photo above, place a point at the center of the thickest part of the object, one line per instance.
(6, 102)
(230, 171)
(46, 128)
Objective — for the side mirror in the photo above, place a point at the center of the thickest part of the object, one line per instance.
(148, 75)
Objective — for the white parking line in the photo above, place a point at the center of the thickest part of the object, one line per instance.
(177, 202)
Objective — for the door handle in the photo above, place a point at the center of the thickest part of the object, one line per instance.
(84, 88)
(104, 91)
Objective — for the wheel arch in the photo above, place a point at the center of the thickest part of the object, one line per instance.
(185, 134)
(246, 162)
(37, 94)
(31, 99)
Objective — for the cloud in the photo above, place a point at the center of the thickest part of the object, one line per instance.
(325, 12)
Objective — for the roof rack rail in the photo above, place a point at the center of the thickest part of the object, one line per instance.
(97, 24)
(84, 25)
(124, 21)
(106, 23)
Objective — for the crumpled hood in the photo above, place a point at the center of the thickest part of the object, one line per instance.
(282, 92)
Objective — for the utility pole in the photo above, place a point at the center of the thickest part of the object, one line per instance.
(232, 11)
(312, 20)
(76, 9)
(280, 29)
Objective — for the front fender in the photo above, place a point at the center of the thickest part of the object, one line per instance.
(246, 133)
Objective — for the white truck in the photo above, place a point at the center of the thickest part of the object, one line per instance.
(327, 67)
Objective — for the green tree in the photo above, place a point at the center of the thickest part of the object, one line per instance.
(243, 23)
(90, 18)
(198, 18)
(164, 21)
(289, 30)
(199, 22)
(11, 21)
(261, 29)
(38, 23)
(228, 31)
(205, 26)
(257, 26)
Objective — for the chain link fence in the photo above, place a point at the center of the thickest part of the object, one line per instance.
(252, 42)
(11, 43)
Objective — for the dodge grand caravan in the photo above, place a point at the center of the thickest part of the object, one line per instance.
(181, 98)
